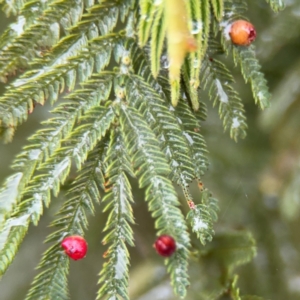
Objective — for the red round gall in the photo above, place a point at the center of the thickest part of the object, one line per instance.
(165, 245)
(242, 33)
(75, 246)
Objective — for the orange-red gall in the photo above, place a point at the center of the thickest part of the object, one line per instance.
(75, 246)
(165, 245)
(242, 33)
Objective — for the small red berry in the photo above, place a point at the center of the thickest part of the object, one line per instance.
(165, 245)
(242, 33)
(75, 246)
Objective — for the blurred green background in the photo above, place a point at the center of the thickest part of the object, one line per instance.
(256, 180)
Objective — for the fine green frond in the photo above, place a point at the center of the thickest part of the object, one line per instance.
(162, 201)
(190, 85)
(11, 236)
(250, 67)
(152, 21)
(245, 56)
(147, 14)
(36, 87)
(73, 58)
(202, 216)
(218, 8)
(218, 81)
(196, 146)
(165, 126)
(25, 18)
(76, 146)
(187, 37)
(44, 31)
(237, 7)
(51, 283)
(210, 203)
(206, 19)
(138, 134)
(157, 40)
(114, 274)
(200, 18)
(276, 5)
(102, 18)
(9, 194)
(71, 219)
(168, 123)
(12, 6)
(151, 168)
(53, 172)
(47, 140)
(49, 83)
(195, 58)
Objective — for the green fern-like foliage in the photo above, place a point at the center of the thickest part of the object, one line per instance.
(106, 64)
(276, 5)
